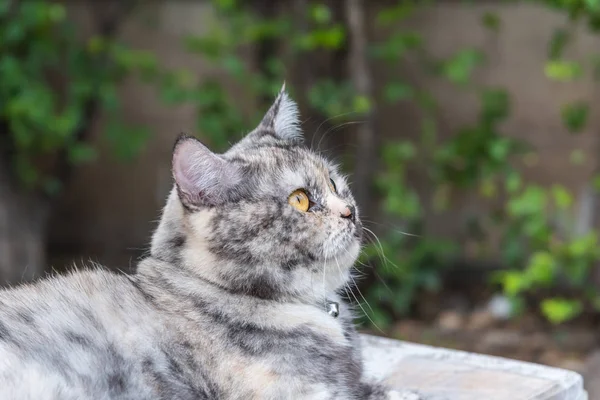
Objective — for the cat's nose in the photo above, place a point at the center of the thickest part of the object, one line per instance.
(348, 212)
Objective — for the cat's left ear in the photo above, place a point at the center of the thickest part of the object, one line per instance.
(202, 177)
(282, 119)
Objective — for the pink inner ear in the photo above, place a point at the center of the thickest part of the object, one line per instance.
(186, 168)
(202, 175)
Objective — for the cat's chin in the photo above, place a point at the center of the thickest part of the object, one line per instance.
(345, 256)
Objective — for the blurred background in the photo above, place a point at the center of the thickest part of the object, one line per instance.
(470, 129)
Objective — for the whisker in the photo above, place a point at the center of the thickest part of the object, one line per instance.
(362, 263)
(336, 128)
(378, 277)
(392, 227)
(325, 121)
(358, 272)
(329, 152)
(357, 288)
(386, 260)
(358, 302)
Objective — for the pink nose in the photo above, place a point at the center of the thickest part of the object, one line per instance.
(346, 212)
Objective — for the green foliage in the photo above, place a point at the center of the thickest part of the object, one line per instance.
(538, 257)
(575, 116)
(458, 68)
(50, 80)
(560, 310)
(545, 259)
(570, 259)
(563, 71)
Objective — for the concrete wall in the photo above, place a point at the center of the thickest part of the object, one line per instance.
(109, 209)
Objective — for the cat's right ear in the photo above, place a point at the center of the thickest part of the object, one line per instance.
(203, 178)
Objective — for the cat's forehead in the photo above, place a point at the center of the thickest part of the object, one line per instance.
(283, 158)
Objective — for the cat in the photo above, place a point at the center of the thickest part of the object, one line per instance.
(238, 298)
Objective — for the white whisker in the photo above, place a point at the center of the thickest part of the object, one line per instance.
(391, 227)
(384, 258)
(335, 128)
(358, 302)
(324, 122)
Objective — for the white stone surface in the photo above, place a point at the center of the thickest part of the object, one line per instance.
(441, 374)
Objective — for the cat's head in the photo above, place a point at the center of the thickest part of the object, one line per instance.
(269, 217)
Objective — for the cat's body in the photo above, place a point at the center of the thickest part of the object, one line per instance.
(231, 303)
(98, 335)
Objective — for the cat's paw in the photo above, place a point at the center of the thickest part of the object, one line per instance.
(402, 395)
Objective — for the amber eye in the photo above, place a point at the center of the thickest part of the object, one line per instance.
(299, 200)
(332, 185)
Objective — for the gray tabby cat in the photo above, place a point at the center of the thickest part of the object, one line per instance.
(252, 246)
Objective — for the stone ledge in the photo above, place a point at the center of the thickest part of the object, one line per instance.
(442, 374)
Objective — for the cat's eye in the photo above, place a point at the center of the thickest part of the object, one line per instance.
(332, 185)
(299, 200)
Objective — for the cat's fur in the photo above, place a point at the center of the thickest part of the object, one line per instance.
(231, 302)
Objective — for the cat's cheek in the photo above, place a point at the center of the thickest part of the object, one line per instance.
(318, 222)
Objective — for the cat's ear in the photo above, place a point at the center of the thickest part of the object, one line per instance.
(203, 178)
(282, 120)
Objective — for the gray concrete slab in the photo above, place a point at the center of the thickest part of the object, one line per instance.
(442, 374)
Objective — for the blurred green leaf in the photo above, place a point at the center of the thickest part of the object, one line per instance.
(210, 47)
(563, 71)
(495, 103)
(226, 5)
(459, 68)
(81, 153)
(234, 66)
(329, 38)
(332, 99)
(397, 13)
(529, 202)
(559, 310)
(513, 182)
(491, 21)
(541, 268)
(362, 104)
(320, 13)
(562, 197)
(396, 91)
(593, 5)
(575, 116)
(396, 46)
(596, 182)
(513, 282)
